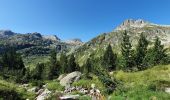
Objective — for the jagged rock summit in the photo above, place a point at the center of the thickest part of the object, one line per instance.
(131, 23)
(75, 41)
(51, 37)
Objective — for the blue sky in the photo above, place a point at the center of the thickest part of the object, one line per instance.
(82, 19)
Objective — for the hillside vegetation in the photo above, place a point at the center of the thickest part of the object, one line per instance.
(143, 85)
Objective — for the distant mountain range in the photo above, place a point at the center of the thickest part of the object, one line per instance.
(35, 43)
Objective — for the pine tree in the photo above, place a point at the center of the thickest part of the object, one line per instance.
(37, 72)
(109, 59)
(141, 51)
(53, 57)
(72, 66)
(127, 52)
(63, 63)
(159, 53)
(87, 68)
(53, 70)
(12, 64)
(12, 60)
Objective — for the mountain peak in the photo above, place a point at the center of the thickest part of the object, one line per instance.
(75, 41)
(132, 23)
(6, 33)
(51, 37)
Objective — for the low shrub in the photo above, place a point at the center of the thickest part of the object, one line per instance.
(53, 86)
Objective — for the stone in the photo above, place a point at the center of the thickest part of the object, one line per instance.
(69, 97)
(167, 90)
(34, 89)
(44, 95)
(40, 91)
(70, 78)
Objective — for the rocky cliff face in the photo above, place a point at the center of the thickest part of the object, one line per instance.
(149, 29)
(130, 23)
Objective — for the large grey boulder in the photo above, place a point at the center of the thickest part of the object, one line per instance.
(70, 78)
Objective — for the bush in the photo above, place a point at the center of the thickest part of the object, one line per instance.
(37, 83)
(52, 86)
(9, 94)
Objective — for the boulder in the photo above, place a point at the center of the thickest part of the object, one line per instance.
(44, 95)
(34, 89)
(70, 78)
(167, 90)
(70, 97)
(40, 91)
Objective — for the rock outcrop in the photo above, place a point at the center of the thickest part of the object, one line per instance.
(74, 42)
(131, 23)
(70, 78)
(44, 95)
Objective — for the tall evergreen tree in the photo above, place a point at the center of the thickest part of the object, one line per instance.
(109, 59)
(159, 53)
(12, 64)
(141, 51)
(72, 66)
(63, 63)
(53, 57)
(87, 68)
(38, 71)
(53, 70)
(12, 60)
(127, 52)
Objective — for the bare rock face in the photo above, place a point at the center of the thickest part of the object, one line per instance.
(74, 42)
(51, 37)
(130, 23)
(70, 78)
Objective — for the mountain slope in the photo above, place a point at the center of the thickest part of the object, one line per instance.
(134, 29)
(34, 43)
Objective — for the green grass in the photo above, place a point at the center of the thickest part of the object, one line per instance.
(32, 61)
(87, 83)
(54, 85)
(10, 87)
(143, 85)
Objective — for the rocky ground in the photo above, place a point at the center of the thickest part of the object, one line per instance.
(69, 91)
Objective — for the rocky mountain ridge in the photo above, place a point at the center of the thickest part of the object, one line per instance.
(35, 43)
